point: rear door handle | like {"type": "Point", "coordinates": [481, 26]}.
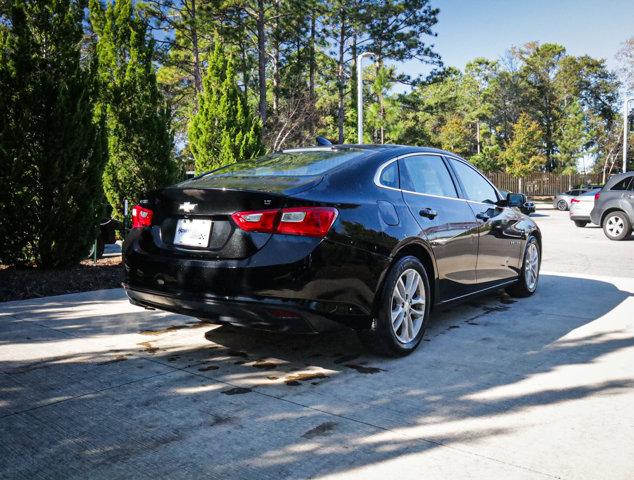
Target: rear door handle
{"type": "Point", "coordinates": [428, 212]}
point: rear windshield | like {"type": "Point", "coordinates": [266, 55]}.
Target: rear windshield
{"type": "Point", "coordinates": [306, 163]}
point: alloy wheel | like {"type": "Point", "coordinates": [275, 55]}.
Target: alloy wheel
{"type": "Point", "coordinates": [562, 205]}
{"type": "Point", "coordinates": [531, 267]}
{"type": "Point", "coordinates": [408, 306]}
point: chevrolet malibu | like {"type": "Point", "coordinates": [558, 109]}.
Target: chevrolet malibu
{"type": "Point", "coordinates": [367, 237]}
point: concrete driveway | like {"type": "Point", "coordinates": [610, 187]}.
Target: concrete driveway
{"type": "Point", "coordinates": [92, 387]}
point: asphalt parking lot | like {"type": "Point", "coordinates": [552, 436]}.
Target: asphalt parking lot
{"type": "Point", "coordinates": [92, 387]}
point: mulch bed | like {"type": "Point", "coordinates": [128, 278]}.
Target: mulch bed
{"type": "Point", "coordinates": [19, 283]}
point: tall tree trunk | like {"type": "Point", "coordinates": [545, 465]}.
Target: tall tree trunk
{"type": "Point", "coordinates": [276, 58]}
{"type": "Point", "coordinates": [353, 73]}
{"type": "Point", "coordinates": [478, 135]}
{"type": "Point", "coordinates": [198, 84]}
{"type": "Point", "coordinates": [381, 104]}
{"type": "Point", "coordinates": [261, 61]}
{"type": "Point", "coordinates": [311, 72]}
{"type": "Point", "coordinates": [244, 62]}
{"type": "Point", "coordinates": [340, 77]}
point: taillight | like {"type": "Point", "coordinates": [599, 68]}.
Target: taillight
{"type": "Point", "coordinates": [306, 221]}
{"type": "Point", "coordinates": [574, 200]}
{"type": "Point", "coordinates": [259, 221]}
{"type": "Point", "coordinates": [141, 217]}
{"type": "Point", "coordinates": [596, 196]}
{"type": "Point", "coordinates": [303, 221]}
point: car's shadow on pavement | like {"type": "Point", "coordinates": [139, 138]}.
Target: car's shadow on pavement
{"type": "Point", "coordinates": [246, 404]}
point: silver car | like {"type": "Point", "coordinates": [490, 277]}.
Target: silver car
{"type": "Point", "coordinates": [581, 206]}
{"type": "Point", "coordinates": [562, 200]}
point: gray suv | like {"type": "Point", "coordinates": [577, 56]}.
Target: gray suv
{"type": "Point", "coordinates": [614, 206]}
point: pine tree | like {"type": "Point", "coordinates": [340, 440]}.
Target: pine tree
{"type": "Point", "coordinates": [524, 154]}
{"type": "Point", "coordinates": [52, 146]}
{"type": "Point", "coordinates": [138, 120]}
{"type": "Point", "coordinates": [571, 137]}
{"type": "Point", "coordinates": [223, 131]}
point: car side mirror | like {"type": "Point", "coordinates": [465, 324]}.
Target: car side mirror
{"type": "Point", "coordinates": [514, 200]}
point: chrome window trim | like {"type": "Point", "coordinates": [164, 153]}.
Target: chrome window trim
{"type": "Point", "coordinates": [383, 166]}
{"type": "Point", "coordinates": [377, 176]}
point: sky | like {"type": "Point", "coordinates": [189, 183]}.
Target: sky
{"type": "Point", "coordinates": [487, 28]}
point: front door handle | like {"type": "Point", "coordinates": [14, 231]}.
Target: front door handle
{"type": "Point", "coordinates": [483, 216]}
{"type": "Point", "coordinates": [428, 212]}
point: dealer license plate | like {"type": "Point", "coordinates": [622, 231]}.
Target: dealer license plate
{"type": "Point", "coordinates": [192, 232]}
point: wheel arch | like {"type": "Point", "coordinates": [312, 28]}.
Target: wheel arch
{"type": "Point", "coordinates": [538, 235]}
{"type": "Point", "coordinates": [611, 210]}
{"type": "Point", "coordinates": [423, 253]}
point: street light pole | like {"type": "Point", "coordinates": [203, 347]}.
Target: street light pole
{"type": "Point", "coordinates": [360, 94]}
{"type": "Point", "coordinates": [625, 115]}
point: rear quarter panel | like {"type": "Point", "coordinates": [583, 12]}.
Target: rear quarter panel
{"type": "Point", "coordinates": [371, 219]}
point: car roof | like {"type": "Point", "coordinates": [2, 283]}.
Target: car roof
{"type": "Point", "coordinates": [391, 149]}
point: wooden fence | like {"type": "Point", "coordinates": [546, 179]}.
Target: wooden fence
{"type": "Point", "coordinates": [542, 184]}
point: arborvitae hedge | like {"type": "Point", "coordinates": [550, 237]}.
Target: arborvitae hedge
{"type": "Point", "coordinates": [138, 120]}
{"type": "Point", "coordinates": [224, 130]}
{"type": "Point", "coordinates": [52, 143]}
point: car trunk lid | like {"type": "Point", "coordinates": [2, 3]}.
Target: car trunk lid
{"type": "Point", "coordinates": [193, 219]}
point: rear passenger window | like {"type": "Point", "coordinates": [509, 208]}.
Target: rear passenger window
{"type": "Point", "coordinates": [389, 176]}
{"type": "Point", "coordinates": [477, 188]}
{"type": "Point", "coordinates": [625, 184]}
{"type": "Point", "coordinates": [426, 174]}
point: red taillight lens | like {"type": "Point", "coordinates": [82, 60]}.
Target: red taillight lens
{"type": "Point", "coordinates": [141, 217]}
{"type": "Point", "coordinates": [307, 221]}
{"type": "Point", "coordinates": [303, 221]}
{"type": "Point", "coordinates": [259, 221]}
{"type": "Point", "coordinates": [596, 196]}
{"type": "Point", "coordinates": [574, 200]}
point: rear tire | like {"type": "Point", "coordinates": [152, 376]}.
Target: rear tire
{"type": "Point", "coordinates": [617, 226]}
{"type": "Point", "coordinates": [529, 275]}
{"type": "Point", "coordinates": [402, 311]}
{"type": "Point", "coordinates": [562, 206]}
{"type": "Point", "coordinates": [580, 223]}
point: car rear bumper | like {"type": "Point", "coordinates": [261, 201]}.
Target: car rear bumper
{"type": "Point", "coordinates": [260, 313]}
{"type": "Point", "coordinates": [294, 284]}
{"type": "Point", "coordinates": [580, 217]}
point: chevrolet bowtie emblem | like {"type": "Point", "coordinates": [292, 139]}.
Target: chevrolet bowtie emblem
{"type": "Point", "coordinates": [187, 207]}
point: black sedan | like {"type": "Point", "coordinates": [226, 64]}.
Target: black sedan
{"type": "Point", "coordinates": [369, 237]}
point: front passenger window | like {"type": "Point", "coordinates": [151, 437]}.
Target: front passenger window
{"type": "Point", "coordinates": [477, 188]}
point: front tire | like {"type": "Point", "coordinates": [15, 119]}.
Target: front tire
{"type": "Point", "coordinates": [402, 312]}
{"type": "Point", "coordinates": [580, 223]}
{"type": "Point", "coordinates": [617, 226]}
{"type": "Point", "coordinates": [529, 275]}
{"type": "Point", "coordinates": [562, 206]}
